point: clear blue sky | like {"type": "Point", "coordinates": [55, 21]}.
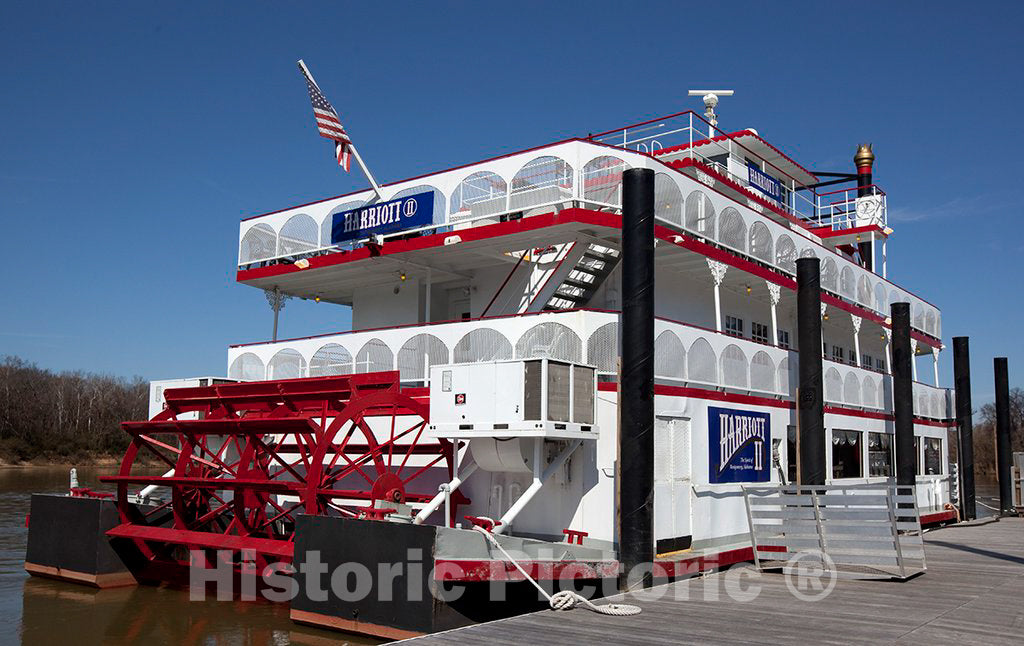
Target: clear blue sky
{"type": "Point", "coordinates": [137, 135]}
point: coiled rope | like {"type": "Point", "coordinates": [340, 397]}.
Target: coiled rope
{"type": "Point", "coordinates": [566, 599]}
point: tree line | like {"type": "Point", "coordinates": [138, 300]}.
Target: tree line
{"type": "Point", "coordinates": [66, 415]}
{"type": "Point", "coordinates": [985, 434]}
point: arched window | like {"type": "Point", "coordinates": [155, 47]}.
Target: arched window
{"type": "Point", "coordinates": [880, 303]}
{"type": "Point", "coordinates": [602, 181]}
{"type": "Point", "coordinates": [761, 246]}
{"type": "Point", "coordinates": [869, 393]}
{"type": "Point", "coordinates": [482, 344]}
{"type": "Point", "coordinates": [374, 356]}
{"type": "Point", "coordinates": [259, 243]}
{"type": "Point", "coordinates": [286, 364]}
{"type": "Point", "coordinates": [762, 372]}
{"type": "Point", "coordinates": [247, 367]}
{"type": "Point", "coordinates": [846, 283]}
{"type": "Point", "coordinates": [418, 354]}
{"type": "Point", "coordinates": [830, 275]}
{"type": "Point", "coordinates": [784, 380]}
{"type": "Point", "coordinates": [552, 340]}
{"type": "Point", "coordinates": [701, 365]}
{"type": "Point", "coordinates": [669, 356]}
{"type": "Point", "coordinates": [298, 235]}
{"type": "Point", "coordinates": [482, 193]}
{"type": "Point", "coordinates": [864, 292]}
{"type": "Point", "coordinates": [732, 230]}
{"type": "Point", "coordinates": [851, 389]}
{"type": "Point", "coordinates": [545, 180]}
{"type": "Point", "coordinates": [734, 366]}
{"type": "Point", "coordinates": [833, 386]}
{"type": "Point", "coordinates": [331, 359]}
{"type": "Point", "coordinates": [668, 199]}
{"type": "Point", "coordinates": [785, 254]}
{"type": "Point", "coordinates": [603, 348]}
{"type": "Point", "coordinates": [700, 214]}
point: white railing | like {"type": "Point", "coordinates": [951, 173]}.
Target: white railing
{"type": "Point", "coordinates": [846, 209]}
{"type": "Point", "coordinates": [685, 355]}
{"type": "Point", "coordinates": [543, 180]}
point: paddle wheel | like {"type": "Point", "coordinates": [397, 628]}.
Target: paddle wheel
{"type": "Point", "coordinates": [241, 461]}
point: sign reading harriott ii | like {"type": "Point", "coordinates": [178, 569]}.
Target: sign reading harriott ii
{"type": "Point", "coordinates": [384, 217]}
{"type": "Point", "coordinates": [738, 443]}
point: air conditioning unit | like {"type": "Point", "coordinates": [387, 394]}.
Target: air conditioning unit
{"type": "Point", "coordinates": [528, 398]}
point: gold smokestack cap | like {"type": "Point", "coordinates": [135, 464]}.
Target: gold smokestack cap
{"type": "Point", "coordinates": [864, 156]}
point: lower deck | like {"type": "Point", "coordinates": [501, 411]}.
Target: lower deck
{"type": "Point", "coordinates": [970, 594]}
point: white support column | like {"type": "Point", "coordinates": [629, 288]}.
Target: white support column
{"type": "Point", "coordinates": [935, 365]}
{"type": "Point", "coordinates": [856, 338]}
{"type": "Point", "coordinates": [913, 357]}
{"type": "Point", "coordinates": [775, 294]}
{"type": "Point", "coordinates": [718, 270]}
{"type": "Point", "coordinates": [823, 308]}
{"type": "Point", "coordinates": [426, 307]}
{"type": "Point", "coordinates": [885, 258]}
{"type": "Point", "coordinates": [888, 350]}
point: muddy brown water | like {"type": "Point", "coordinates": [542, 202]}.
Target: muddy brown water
{"type": "Point", "coordinates": [39, 611]}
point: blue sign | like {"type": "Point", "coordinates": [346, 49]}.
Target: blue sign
{"type": "Point", "coordinates": [383, 217]}
{"type": "Point", "coordinates": [764, 183]}
{"type": "Point", "coordinates": [739, 443]}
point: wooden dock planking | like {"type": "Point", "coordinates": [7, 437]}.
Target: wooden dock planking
{"type": "Point", "coordinates": [973, 592]}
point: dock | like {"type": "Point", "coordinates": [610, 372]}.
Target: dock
{"type": "Point", "coordinates": [972, 592]}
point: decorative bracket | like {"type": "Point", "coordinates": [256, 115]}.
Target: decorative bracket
{"type": "Point", "coordinates": [718, 270]}
{"type": "Point", "coordinates": [774, 292]}
{"type": "Point", "coordinates": [856, 323]}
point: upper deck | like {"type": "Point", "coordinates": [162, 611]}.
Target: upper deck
{"type": "Point", "coordinates": [482, 217]}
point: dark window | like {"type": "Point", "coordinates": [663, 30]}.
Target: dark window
{"type": "Point", "coordinates": [734, 326]}
{"type": "Point", "coordinates": [784, 339]}
{"type": "Point", "coordinates": [759, 332]}
{"type": "Point", "coordinates": [933, 456]}
{"type": "Point", "coordinates": [880, 365]}
{"type": "Point", "coordinates": [853, 358]}
{"type": "Point", "coordinates": [846, 452]}
{"type": "Point", "coordinates": [838, 354]}
{"type": "Point", "coordinates": [879, 454]}
{"type": "Point", "coordinates": [866, 361]}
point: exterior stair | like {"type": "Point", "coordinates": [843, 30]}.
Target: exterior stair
{"type": "Point", "coordinates": [582, 281]}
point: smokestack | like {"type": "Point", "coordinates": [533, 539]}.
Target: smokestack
{"type": "Point", "coordinates": [811, 403]}
{"type": "Point", "coordinates": [636, 387]}
{"type": "Point", "coordinates": [864, 159]}
{"type": "Point", "coordinates": [1003, 435]}
{"type": "Point", "coordinates": [964, 424]}
{"type": "Point", "coordinates": [903, 395]}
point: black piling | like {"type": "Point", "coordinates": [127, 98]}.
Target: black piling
{"type": "Point", "coordinates": [964, 424]}
{"type": "Point", "coordinates": [636, 388]}
{"type": "Point", "coordinates": [1003, 456]}
{"type": "Point", "coordinates": [811, 405]}
{"type": "Point", "coordinates": [903, 395]}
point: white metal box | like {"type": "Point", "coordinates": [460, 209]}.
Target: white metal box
{"type": "Point", "coordinates": [527, 398]}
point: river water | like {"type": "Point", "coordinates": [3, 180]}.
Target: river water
{"type": "Point", "coordinates": [39, 611]}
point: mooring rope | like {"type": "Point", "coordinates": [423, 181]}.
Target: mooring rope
{"type": "Point", "coordinates": [566, 599]}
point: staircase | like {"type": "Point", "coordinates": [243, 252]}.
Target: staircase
{"type": "Point", "coordinates": [584, 278]}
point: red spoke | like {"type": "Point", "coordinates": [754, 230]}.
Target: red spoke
{"type": "Point", "coordinates": [391, 442]}
{"type": "Point", "coordinates": [422, 425]}
{"type": "Point", "coordinates": [423, 468]}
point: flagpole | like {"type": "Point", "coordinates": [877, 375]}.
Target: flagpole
{"type": "Point", "coordinates": [351, 146]}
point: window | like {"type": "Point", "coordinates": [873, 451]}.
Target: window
{"type": "Point", "coordinates": [933, 456]}
{"type": "Point", "coordinates": [879, 454]}
{"type": "Point", "coordinates": [791, 454]}
{"type": "Point", "coordinates": [917, 455]}
{"type": "Point", "coordinates": [759, 332]}
{"type": "Point", "coordinates": [784, 339]}
{"type": "Point", "coordinates": [846, 451]}
{"type": "Point", "coordinates": [734, 326]}
{"type": "Point", "coordinates": [838, 354]}
{"type": "Point", "coordinates": [866, 361]}
{"type": "Point", "coordinates": [880, 365]}
{"type": "Point", "coordinates": [853, 358]}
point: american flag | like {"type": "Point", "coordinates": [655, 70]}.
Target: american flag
{"type": "Point", "coordinates": [328, 123]}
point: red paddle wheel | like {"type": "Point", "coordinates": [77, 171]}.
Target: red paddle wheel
{"type": "Point", "coordinates": [240, 461]}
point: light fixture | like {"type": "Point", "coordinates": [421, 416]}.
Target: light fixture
{"type": "Point", "coordinates": [748, 289]}
{"type": "Point", "coordinates": [317, 298]}
{"type": "Point", "coordinates": [858, 238]}
{"type": "Point", "coordinates": [825, 317]}
{"type": "Point", "coordinates": [401, 276]}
